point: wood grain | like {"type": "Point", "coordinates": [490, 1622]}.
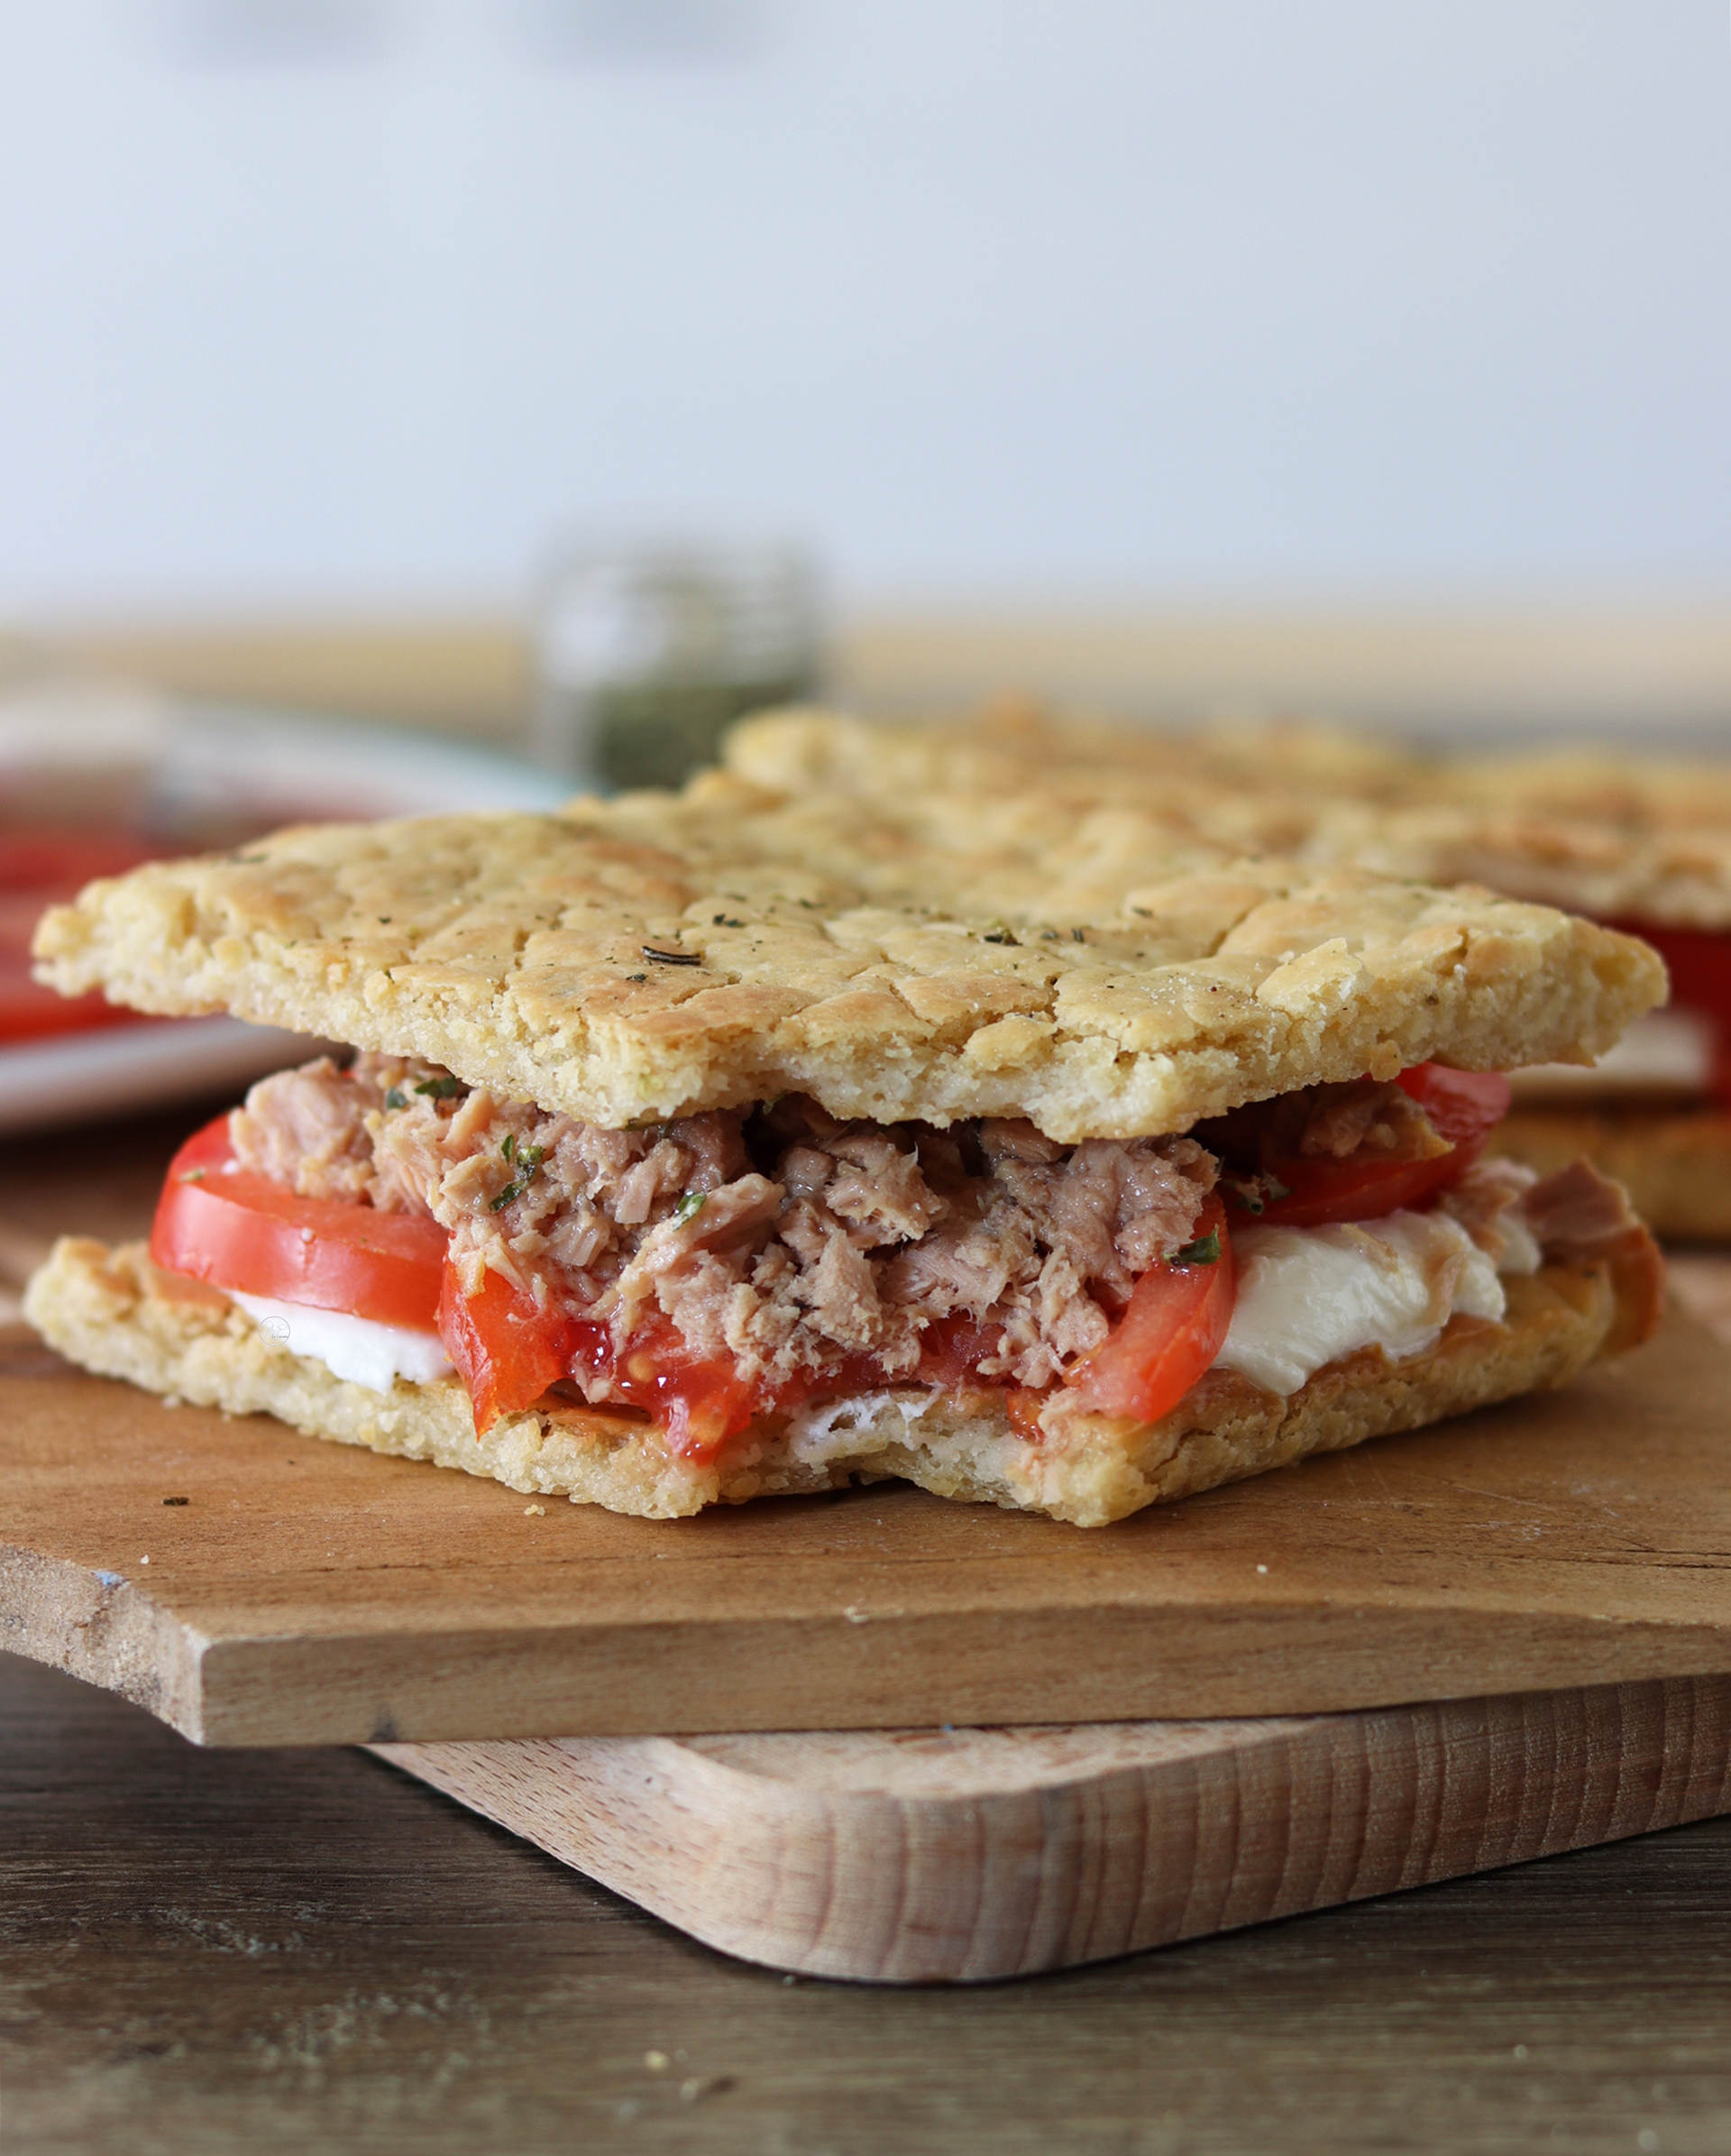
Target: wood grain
{"type": "Point", "coordinates": [209, 1950]}
{"type": "Point", "coordinates": [306, 1593]}
{"type": "Point", "coordinates": [968, 1855]}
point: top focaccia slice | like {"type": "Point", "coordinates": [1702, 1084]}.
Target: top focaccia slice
{"type": "Point", "coordinates": [1104, 972]}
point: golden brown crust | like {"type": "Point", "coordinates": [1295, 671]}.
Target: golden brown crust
{"type": "Point", "coordinates": [1108, 974]}
{"type": "Point", "coordinates": [106, 1309]}
{"type": "Point", "coordinates": [1675, 1163]}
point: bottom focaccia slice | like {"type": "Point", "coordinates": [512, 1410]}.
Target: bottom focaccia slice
{"type": "Point", "coordinates": [111, 1311]}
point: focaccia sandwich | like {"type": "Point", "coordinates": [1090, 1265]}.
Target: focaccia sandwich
{"type": "Point", "coordinates": [734, 1143]}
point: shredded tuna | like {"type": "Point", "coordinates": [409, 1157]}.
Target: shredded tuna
{"type": "Point", "coordinates": [878, 1190]}
{"type": "Point", "coordinates": [1333, 1122]}
{"type": "Point", "coordinates": [307, 1129]}
{"type": "Point", "coordinates": [1487, 1202]}
{"type": "Point", "coordinates": [784, 1238]}
{"type": "Point", "coordinates": [1581, 1218]}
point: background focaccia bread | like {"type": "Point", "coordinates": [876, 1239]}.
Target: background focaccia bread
{"type": "Point", "coordinates": [1621, 836]}
{"type": "Point", "coordinates": [1105, 972]}
{"type": "Point", "coordinates": [1675, 1163]}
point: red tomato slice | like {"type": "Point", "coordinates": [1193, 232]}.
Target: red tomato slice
{"type": "Point", "coordinates": [1321, 1192]}
{"type": "Point", "coordinates": [509, 1352]}
{"type": "Point", "coordinates": [1464, 1107]}
{"type": "Point", "coordinates": [221, 1222]}
{"type": "Point", "coordinates": [700, 1405]}
{"type": "Point", "coordinates": [506, 1350]}
{"type": "Point", "coordinates": [949, 1350]}
{"type": "Point", "coordinates": [1175, 1327]}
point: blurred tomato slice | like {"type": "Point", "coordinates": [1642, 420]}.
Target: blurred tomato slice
{"type": "Point", "coordinates": [39, 869]}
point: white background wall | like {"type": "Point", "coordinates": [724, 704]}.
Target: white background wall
{"type": "Point", "coordinates": [305, 300]}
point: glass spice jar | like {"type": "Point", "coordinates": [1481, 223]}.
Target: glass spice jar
{"type": "Point", "coordinates": [647, 651]}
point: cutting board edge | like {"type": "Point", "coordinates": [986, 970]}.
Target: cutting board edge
{"type": "Point", "coordinates": [359, 1689]}
{"type": "Point", "coordinates": [106, 1630]}
{"type": "Point", "coordinates": [870, 1886]}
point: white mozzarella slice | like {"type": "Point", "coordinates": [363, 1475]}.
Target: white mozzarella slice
{"type": "Point", "coordinates": [1308, 1296]}
{"type": "Point", "coordinates": [816, 1432]}
{"type": "Point", "coordinates": [1668, 1054]}
{"type": "Point", "coordinates": [358, 1349]}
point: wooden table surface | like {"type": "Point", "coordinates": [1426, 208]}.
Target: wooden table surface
{"type": "Point", "coordinates": [203, 1950]}
{"type": "Point", "coordinates": [304, 1949]}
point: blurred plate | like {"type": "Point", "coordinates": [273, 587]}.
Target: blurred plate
{"type": "Point", "coordinates": [124, 1070]}
{"type": "Point", "coordinates": [86, 766]}
{"type": "Point", "coordinates": [202, 775]}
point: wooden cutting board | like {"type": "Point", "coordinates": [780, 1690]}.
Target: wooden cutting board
{"type": "Point", "coordinates": [306, 1593]}
{"type": "Point", "coordinates": [923, 1856]}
